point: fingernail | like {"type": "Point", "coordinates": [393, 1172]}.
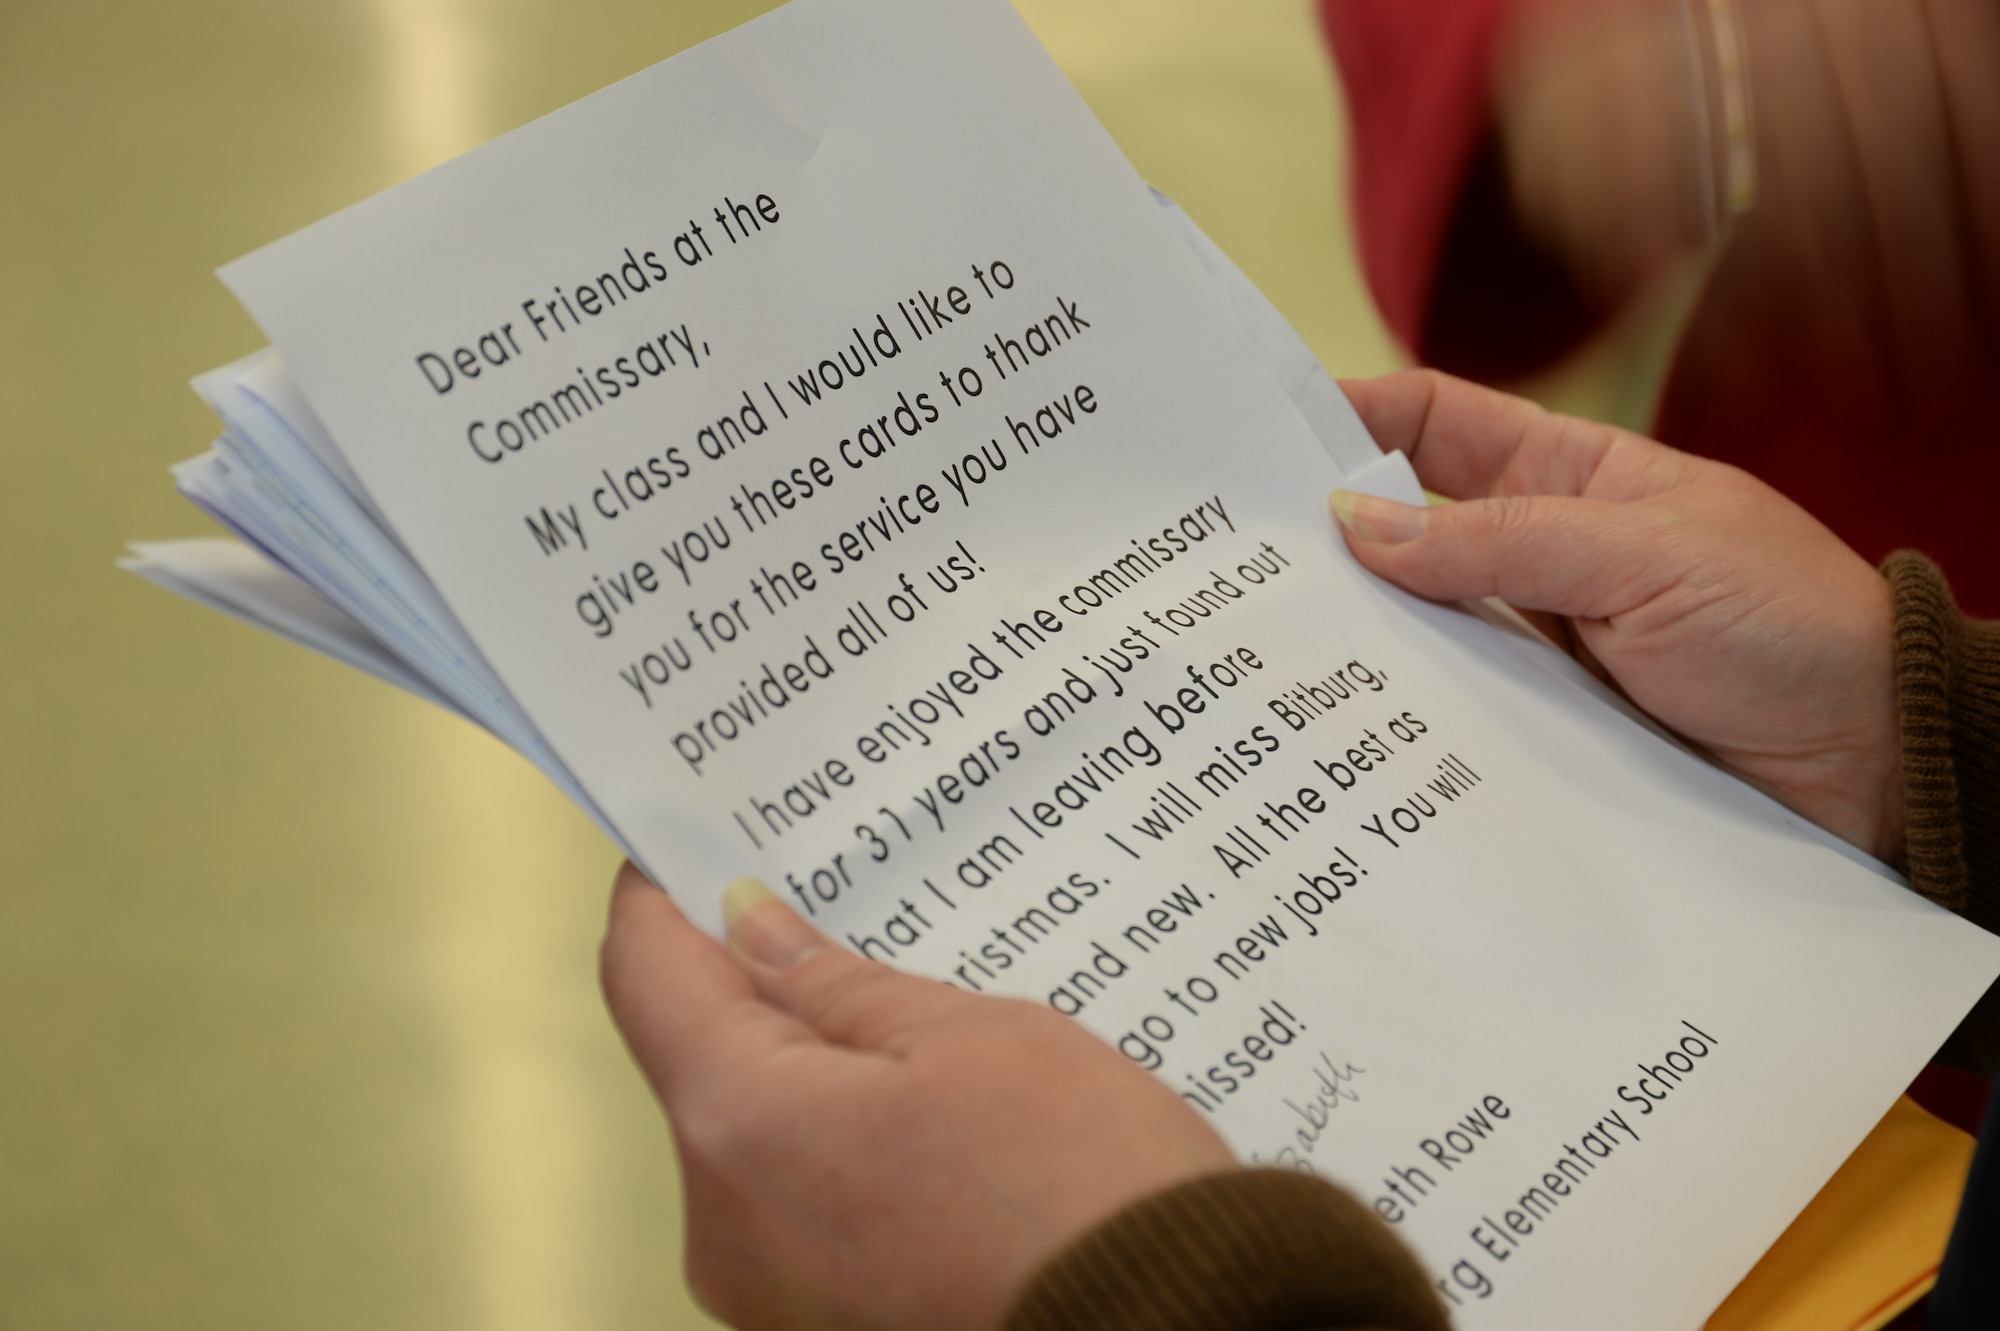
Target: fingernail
{"type": "Point", "coordinates": [765, 929]}
{"type": "Point", "coordinates": [1375, 519]}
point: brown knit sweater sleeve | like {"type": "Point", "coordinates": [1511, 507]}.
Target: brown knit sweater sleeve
{"type": "Point", "coordinates": [1948, 685]}
{"type": "Point", "coordinates": [1255, 1250]}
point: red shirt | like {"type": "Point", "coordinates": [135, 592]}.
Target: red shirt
{"type": "Point", "coordinates": [1810, 384]}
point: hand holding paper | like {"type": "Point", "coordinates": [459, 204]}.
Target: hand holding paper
{"type": "Point", "coordinates": [1015, 1169]}
{"type": "Point", "coordinates": [1720, 607]}
{"type": "Point", "coordinates": [865, 1148]}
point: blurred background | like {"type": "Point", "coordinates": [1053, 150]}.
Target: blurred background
{"type": "Point", "coordinates": [299, 1023]}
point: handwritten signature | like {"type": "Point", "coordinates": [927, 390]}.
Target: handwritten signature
{"type": "Point", "coordinates": [1333, 1086]}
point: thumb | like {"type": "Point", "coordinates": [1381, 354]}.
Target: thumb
{"type": "Point", "coordinates": [844, 998]}
{"type": "Point", "coordinates": [1569, 556]}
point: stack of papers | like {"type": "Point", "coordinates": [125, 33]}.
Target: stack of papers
{"type": "Point", "coordinates": [317, 564]}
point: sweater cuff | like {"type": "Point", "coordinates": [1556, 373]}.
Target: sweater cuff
{"type": "Point", "coordinates": [1948, 689]}
{"type": "Point", "coordinates": [1948, 685]}
{"type": "Point", "coordinates": [1249, 1250]}
{"type": "Point", "coordinates": [1927, 622]}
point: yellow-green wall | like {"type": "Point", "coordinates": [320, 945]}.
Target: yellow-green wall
{"type": "Point", "coordinates": [298, 1017]}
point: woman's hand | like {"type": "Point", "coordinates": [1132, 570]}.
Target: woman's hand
{"type": "Point", "coordinates": [1718, 605]}
{"type": "Point", "coordinates": [862, 1148]}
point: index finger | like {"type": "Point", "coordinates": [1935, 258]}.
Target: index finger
{"type": "Point", "coordinates": [681, 999]}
